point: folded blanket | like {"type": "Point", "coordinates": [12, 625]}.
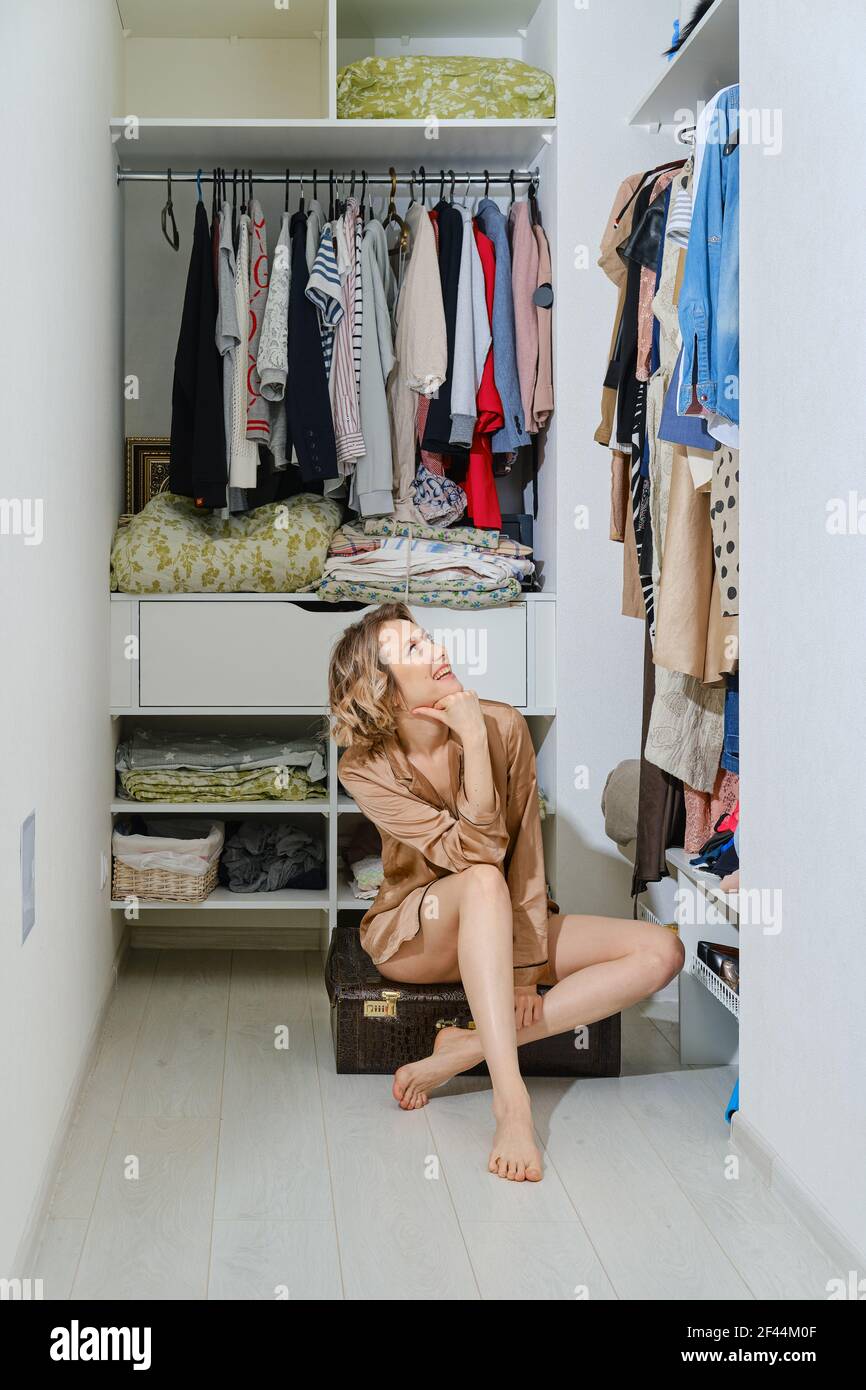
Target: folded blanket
{"type": "Point", "coordinates": [219, 752]}
{"type": "Point", "coordinates": [260, 784]}
{"type": "Point", "coordinates": [154, 765]}
{"type": "Point", "coordinates": [473, 594]}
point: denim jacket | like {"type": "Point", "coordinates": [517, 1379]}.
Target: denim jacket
{"type": "Point", "coordinates": [709, 296]}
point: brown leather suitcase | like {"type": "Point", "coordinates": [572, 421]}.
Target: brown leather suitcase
{"type": "Point", "coordinates": [378, 1025]}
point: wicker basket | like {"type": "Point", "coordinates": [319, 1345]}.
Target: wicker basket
{"type": "Point", "coordinates": [162, 885]}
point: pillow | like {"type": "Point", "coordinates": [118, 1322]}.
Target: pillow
{"type": "Point", "coordinates": [412, 87]}
{"type": "Point", "coordinates": [171, 547]}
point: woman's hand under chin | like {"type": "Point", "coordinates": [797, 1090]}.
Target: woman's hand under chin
{"type": "Point", "coordinates": [460, 712]}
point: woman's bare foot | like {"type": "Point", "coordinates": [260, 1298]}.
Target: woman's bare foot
{"type": "Point", "coordinates": [454, 1050]}
{"type": "Point", "coordinates": [514, 1154]}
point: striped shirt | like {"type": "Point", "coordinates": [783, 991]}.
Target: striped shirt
{"type": "Point", "coordinates": [346, 376]}
{"type": "Point", "coordinates": [325, 290]}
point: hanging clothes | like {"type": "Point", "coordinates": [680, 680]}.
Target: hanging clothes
{"type": "Point", "coordinates": [371, 489]}
{"type": "Point", "coordinates": [479, 484]}
{"type": "Point", "coordinates": [325, 291]}
{"type": "Point", "coordinates": [542, 400]}
{"type": "Point", "coordinates": [244, 456]}
{"type": "Point", "coordinates": [198, 455]}
{"type": "Point", "coordinates": [258, 410]}
{"type": "Point", "coordinates": [437, 434]}
{"type": "Point", "coordinates": [309, 423]}
{"type": "Point", "coordinates": [273, 353]}
{"type": "Point", "coordinates": [524, 282]}
{"type": "Point", "coordinates": [227, 330]}
{"type": "Point", "coordinates": [346, 370]}
{"type": "Point", "coordinates": [472, 338]}
{"type": "Point", "coordinates": [513, 434]}
{"type": "Point", "coordinates": [421, 351]}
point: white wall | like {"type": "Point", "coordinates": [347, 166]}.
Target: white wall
{"type": "Point", "coordinates": [607, 53]}
{"type": "Point", "coordinates": [61, 406]}
{"type": "Point", "coordinates": [803, 737]}
{"type": "Point", "coordinates": [254, 78]}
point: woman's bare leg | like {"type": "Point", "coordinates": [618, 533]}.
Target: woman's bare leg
{"type": "Point", "coordinates": [601, 965]}
{"type": "Point", "coordinates": [466, 927]}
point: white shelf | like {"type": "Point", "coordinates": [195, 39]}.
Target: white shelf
{"type": "Point", "coordinates": [222, 899]}
{"type": "Point", "coordinates": [716, 986]}
{"type": "Point", "coordinates": [708, 61]}
{"type": "Point", "coordinates": [729, 902]}
{"type": "Point", "coordinates": [236, 809]}
{"type": "Point", "coordinates": [346, 900]}
{"type": "Point", "coordinates": [188, 143]}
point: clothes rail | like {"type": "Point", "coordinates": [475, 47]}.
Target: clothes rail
{"type": "Point", "coordinates": [521, 176]}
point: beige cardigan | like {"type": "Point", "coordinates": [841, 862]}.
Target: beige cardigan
{"type": "Point", "coordinates": [421, 353]}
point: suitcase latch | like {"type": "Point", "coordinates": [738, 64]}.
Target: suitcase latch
{"type": "Point", "coordinates": [386, 1007]}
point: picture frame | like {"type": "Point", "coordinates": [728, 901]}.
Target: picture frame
{"type": "Point", "coordinates": [146, 469]}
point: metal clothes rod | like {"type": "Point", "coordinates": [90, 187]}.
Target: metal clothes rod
{"type": "Point", "coordinates": [432, 176]}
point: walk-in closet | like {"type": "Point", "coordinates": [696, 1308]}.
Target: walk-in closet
{"type": "Point", "coordinates": [483, 309]}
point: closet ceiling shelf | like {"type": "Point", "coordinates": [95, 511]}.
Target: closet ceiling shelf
{"type": "Point", "coordinates": [707, 61]}
{"type": "Point", "coordinates": [145, 142]}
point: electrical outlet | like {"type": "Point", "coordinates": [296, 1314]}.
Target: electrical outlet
{"type": "Point", "coordinates": [28, 876]}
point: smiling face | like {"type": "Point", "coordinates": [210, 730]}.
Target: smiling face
{"type": "Point", "coordinates": [421, 667]}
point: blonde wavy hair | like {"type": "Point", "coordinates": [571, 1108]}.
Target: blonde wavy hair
{"type": "Point", "coordinates": [362, 691]}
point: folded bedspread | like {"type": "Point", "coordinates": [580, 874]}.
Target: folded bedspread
{"type": "Point", "coordinates": [170, 547]}
{"type": "Point", "coordinates": [409, 87]}
{"type": "Point", "coordinates": [155, 766]}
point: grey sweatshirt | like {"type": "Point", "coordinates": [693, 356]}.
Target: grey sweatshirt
{"type": "Point", "coordinates": [371, 491]}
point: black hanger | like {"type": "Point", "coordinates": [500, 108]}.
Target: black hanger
{"type": "Point", "coordinates": [235, 209]}
{"type": "Point", "coordinates": [534, 210]}
{"type": "Point", "coordinates": [251, 184]}
{"type": "Point", "coordinates": [168, 212]}
{"type": "Point", "coordinates": [411, 188]}
{"type": "Point", "coordinates": [452, 176]}
{"type": "Point", "coordinates": [331, 196]}
{"type": "Point", "coordinates": [441, 184]}
{"type": "Point", "coordinates": [243, 191]}
{"type": "Point", "coordinates": [315, 184]}
{"type": "Point", "coordinates": [423, 172]}
{"type": "Point", "coordinates": [213, 197]}
{"type": "Point", "coordinates": [659, 169]}
{"type": "Point", "coordinates": [392, 214]}
{"type": "Point", "coordinates": [487, 183]}
{"type": "Point", "coordinates": [511, 181]}
{"type": "Point", "coordinates": [363, 187]}
{"type": "Point", "coordinates": [302, 202]}
{"type": "Point", "coordinates": [288, 181]}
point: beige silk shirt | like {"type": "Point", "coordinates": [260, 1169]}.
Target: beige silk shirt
{"type": "Point", "coordinates": [425, 838]}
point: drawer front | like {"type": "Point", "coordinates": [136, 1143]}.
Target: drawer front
{"type": "Point", "coordinates": [224, 655]}
{"type": "Point", "coordinates": [487, 648]}
{"type": "Point", "coordinates": [271, 654]}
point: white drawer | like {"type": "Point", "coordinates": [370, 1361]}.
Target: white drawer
{"type": "Point", "coordinates": [247, 654]}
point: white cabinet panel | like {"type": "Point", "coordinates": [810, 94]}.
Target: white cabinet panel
{"type": "Point", "coordinates": [247, 655]}
{"type": "Point", "coordinates": [225, 655]}
{"type": "Point", "coordinates": [487, 647]}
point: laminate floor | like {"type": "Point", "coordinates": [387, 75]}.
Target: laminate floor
{"type": "Point", "coordinates": [217, 1154]}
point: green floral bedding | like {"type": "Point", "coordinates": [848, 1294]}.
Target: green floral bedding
{"type": "Point", "coordinates": [170, 547]}
{"type": "Point", "coordinates": [416, 87]}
